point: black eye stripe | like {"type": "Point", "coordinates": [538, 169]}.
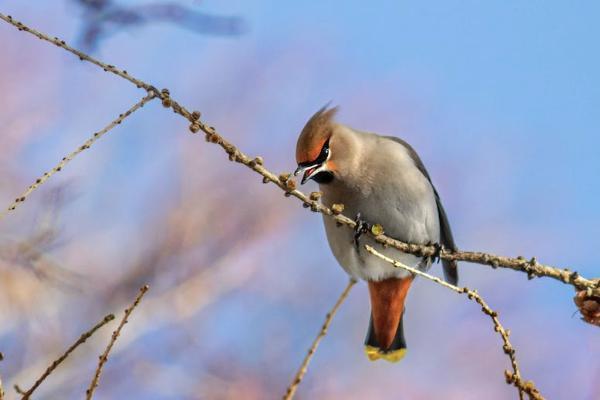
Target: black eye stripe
{"type": "Point", "coordinates": [322, 157]}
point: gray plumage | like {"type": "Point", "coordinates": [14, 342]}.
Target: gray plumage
{"type": "Point", "coordinates": [446, 238]}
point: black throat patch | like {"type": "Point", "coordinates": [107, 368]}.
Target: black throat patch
{"type": "Point", "coordinates": [323, 177]}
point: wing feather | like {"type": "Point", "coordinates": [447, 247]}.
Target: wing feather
{"type": "Point", "coordinates": [446, 238]}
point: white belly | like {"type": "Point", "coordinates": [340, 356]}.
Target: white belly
{"type": "Point", "coordinates": [406, 213]}
{"type": "Point", "coordinates": [359, 263]}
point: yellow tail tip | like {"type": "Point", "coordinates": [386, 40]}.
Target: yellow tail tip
{"type": "Point", "coordinates": [374, 354]}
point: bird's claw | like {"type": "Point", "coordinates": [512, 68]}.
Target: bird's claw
{"type": "Point", "coordinates": [361, 227]}
{"type": "Point", "coordinates": [435, 257]}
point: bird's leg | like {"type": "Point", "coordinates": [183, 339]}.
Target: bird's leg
{"type": "Point", "coordinates": [361, 227]}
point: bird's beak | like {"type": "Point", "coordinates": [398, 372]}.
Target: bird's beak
{"type": "Point", "coordinates": [309, 170]}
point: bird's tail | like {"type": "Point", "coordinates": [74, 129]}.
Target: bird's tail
{"type": "Point", "coordinates": [394, 353]}
{"type": "Point", "coordinates": [385, 338]}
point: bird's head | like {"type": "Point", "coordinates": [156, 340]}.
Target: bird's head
{"type": "Point", "coordinates": [314, 148]}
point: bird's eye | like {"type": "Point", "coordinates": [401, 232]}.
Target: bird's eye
{"type": "Point", "coordinates": [324, 153]}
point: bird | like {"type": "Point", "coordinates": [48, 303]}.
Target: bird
{"type": "Point", "coordinates": [381, 180]}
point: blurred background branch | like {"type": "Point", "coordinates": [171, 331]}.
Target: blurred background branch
{"type": "Point", "coordinates": [102, 18]}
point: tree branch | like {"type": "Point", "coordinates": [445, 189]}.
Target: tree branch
{"type": "Point", "coordinates": [531, 267]}
{"type": "Point", "coordinates": [82, 56]}
{"type": "Point", "coordinates": [291, 390]}
{"type": "Point", "coordinates": [113, 339]}
{"type": "Point", "coordinates": [85, 336]}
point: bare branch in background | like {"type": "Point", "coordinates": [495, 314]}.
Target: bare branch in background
{"type": "Point", "coordinates": [291, 390]}
{"type": "Point", "coordinates": [30, 252]}
{"type": "Point", "coordinates": [85, 336]}
{"type": "Point", "coordinates": [105, 17]}
{"type": "Point", "coordinates": [65, 160]}
{"type": "Point", "coordinates": [113, 339]}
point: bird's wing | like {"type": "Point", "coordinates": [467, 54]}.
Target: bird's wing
{"type": "Point", "coordinates": [446, 238]}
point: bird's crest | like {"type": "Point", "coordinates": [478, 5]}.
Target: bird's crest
{"type": "Point", "coordinates": [314, 134]}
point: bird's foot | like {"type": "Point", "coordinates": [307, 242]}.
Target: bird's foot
{"type": "Point", "coordinates": [435, 257]}
{"type": "Point", "coordinates": [361, 227]}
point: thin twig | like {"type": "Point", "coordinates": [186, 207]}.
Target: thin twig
{"type": "Point", "coordinates": [113, 339]}
{"type": "Point", "coordinates": [529, 266]}
{"type": "Point", "coordinates": [85, 336]}
{"type": "Point", "coordinates": [65, 160]}
{"type": "Point", "coordinates": [515, 376]}
{"type": "Point", "coordinates": [291, 390]}
{"type": "Point", "coordinates": [82, 56]}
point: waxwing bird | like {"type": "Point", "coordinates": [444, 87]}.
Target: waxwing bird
{"type": "Point", "coordinates": [382, 180]}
